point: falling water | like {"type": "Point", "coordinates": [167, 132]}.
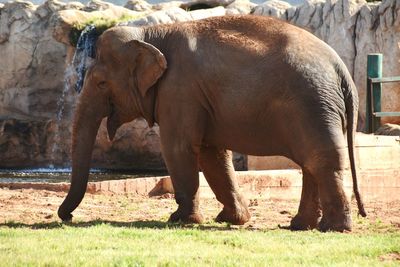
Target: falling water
{"type": "Point", "coordinates": [81, 61]}
{"type": "Point", "coordinates": [55, 150]}
{"type": "Point", "coordinates": [84, 54]}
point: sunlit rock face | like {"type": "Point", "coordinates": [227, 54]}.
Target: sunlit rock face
{"type": "Point", "coordinates": [32, 67]}
{"type": "Point", "coordinates": [32, 83]}
{"type": "Point", "coordinates": [35, 51]}
{"type": "Point", "coordinates": [353, 29]}
{"type": "Point", "coordinates": [32, 61]}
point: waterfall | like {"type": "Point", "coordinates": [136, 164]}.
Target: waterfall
{"type": "Point", "coordinates": [55, 150]}
{"type": "Point", "coordinates": [84, 54]}
{"type": "Point", "coordinates": [73, 80]}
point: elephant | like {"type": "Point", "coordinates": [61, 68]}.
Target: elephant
{"type": "Point", "coordinates": [388, 129]}
{"type": "Point", "coordinates": [251, 84]}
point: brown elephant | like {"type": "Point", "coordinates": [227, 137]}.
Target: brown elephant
{"type": "Point", "coordinates": [251, 84]}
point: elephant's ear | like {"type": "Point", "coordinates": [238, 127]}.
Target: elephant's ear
{"type": "Point", "coordinates": [150, 65]}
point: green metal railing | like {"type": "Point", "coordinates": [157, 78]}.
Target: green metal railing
{"type": "Point", "coordinates": [374, 93]}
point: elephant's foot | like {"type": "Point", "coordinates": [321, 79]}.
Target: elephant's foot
{"type": "Point", "coordinates": [303, 222]}
{"type": "Point", "coordinates": [64, 215]}
{"type": "Point", "coordinates": [185, 217]}
{"type": "Point", "coordinates": [238, 217]}
{"type": "Point", "coordinates": [238, 214]}
{"type": "Point", "coordinates": [337, 223]}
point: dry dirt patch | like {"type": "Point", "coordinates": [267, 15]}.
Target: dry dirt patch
{"type": "Point", "coordinates": [395, 256]}
{"type": "Point", "coordinates": [30, 206]}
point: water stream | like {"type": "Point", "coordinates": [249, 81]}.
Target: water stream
{"type": "Point", "coordinates": [73, 80]}
{"type": "Point", "coordinates": [84, 54]}
{"type": "Point", "coordinates": [56, 150]}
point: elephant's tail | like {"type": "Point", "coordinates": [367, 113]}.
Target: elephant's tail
{"type": "Point", "coordinates": [351, 104]}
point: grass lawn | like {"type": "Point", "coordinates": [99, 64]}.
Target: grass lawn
{"type": "Point", "coordinates": [154, 243]}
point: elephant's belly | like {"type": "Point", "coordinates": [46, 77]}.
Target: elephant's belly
{"type": "Point", "coordinates": [250, 141]}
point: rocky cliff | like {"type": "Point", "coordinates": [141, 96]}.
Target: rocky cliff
{"type": "Point", "coordinates": [353, 29]}
{"type": "Point", "coordinates": [36, 104]}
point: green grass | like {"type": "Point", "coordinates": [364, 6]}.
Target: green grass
{"type": "Point", "coordinates": [100, 243]}
{"type": "Point", "coordinates": [100, 22]}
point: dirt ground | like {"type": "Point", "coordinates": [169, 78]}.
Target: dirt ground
{"type": "Point", "coordinates": [32, 207]}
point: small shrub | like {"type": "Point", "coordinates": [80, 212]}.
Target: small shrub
{"type": "Point", "coordinates": [101, 24]}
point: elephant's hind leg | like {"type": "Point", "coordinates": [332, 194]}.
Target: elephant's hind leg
{"type": "Point", "coordinates": [309, 213]}
{"type": "Point", "coordinates": [218, 169]}
{"type": "Point", "coordinates": [328, 169]}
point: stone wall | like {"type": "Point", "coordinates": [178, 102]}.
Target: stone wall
{"type": "Point", "coordinates": [33, 92]}
{"type": "Point", "coordinates": [353, 29]}
{"type": "Point", "coordinates": [32, 67]}
{"type": "Point", "coordinates": [35, 53]}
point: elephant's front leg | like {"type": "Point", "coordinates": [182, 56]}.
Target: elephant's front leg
{"type": "Point", "coordinates": [218, 169]}
{"type": "Point", "coordinates": [181, 161]}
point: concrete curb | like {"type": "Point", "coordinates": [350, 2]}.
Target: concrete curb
{"type": "Point", "coordinates": [383, 184]}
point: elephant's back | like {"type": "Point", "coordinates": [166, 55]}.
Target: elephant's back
{"type": "Point", "coordinates": [260, 35]}
{"type": "Point", "coordinates": [263, 70]}
{"type": "Point", "coordinates": [250, 34]}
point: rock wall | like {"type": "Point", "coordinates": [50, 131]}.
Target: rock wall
{"type": "Point", "coordinates": [33, 94]}
{"type": "Point", "coordinates": [353, 29]}
{"type": "Point", "coordinates": [36, 107]}
{"type": "Point", "coordinates": [32, 67]}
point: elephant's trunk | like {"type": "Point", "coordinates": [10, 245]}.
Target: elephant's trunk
{"type": "Point", "coordinates": [85, 127]}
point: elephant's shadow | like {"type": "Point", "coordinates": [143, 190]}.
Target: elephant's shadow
{"type": "Point", "coordinates": [135, 224]}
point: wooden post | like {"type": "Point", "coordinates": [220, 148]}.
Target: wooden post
{"type": "Point", "coordinates": [374, 70]}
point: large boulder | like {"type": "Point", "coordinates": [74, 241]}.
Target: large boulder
{"type": "Point", "coordinates": [138, 5]}
{"type": "Point", "coordinates": [64, 22]}
{"type": "Point", "coordinates": [240, 7]}
{"type": "Point", "coordinates": [174, 14]}
{"type": "Point", "coordinates": [273, 8]}
{"type": "Point", "coordinates": [32, 62]}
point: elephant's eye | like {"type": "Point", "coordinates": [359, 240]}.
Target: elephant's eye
{"type": "Point", "coordinates": [102, 85]}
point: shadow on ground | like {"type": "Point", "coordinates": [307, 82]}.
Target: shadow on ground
{"type": "Point", "coordinates": [136, 224]}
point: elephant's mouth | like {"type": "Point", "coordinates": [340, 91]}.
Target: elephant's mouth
{"type": "Point", "coordinates": [115, 119]}
{"type": "Point", "coordinates": [113, 122]}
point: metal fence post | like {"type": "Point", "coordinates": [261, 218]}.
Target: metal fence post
{"type": "Point", "coordinates": [374, 70]}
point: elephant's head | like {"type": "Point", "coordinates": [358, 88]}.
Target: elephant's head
{"type": "Point", "coordinates": [118, 86]}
